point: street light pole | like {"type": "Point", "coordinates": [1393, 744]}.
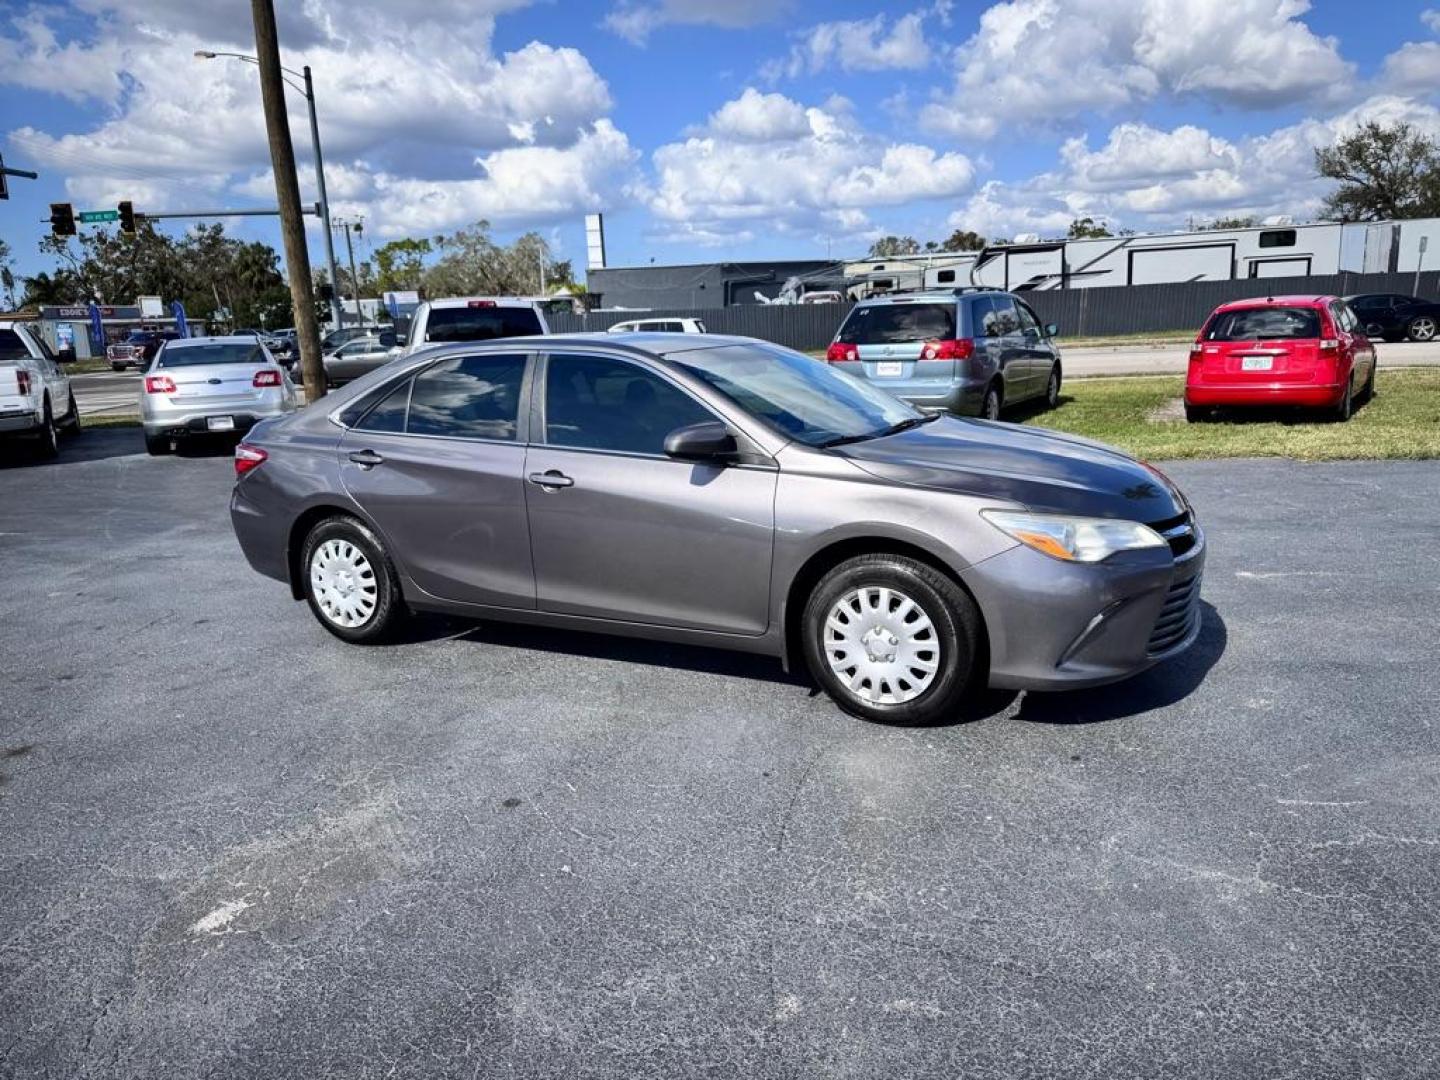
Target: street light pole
{"type": "Point", "coordinates": [324, 199]}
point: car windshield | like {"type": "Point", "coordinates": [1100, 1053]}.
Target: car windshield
{"type": "Point", "coordinates": [219, 352]}
{"type": "Point", "coordinates": [879, 324]}
{"type": "Point", "coordinates": [803, 399]}
{"type": "Point", "coordinates": [1260, 324]}
{"type": "Point", "coordinates": [480, 323]}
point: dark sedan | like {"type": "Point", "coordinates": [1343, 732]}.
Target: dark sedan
{"type": "Point", "coordinates": [1394, 317]}
{"type": "Point", "coordinates": [726, 492]}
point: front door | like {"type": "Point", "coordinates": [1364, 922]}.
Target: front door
{"type": "Point", "coordinates": [439, 465]}
{"type": "Point", "coordinates": [1039, 352]}
{"type": "Point", "coordinates": [621, 531]}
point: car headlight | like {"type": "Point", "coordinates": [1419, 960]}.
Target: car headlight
{"type": "Point", "coordinates": [1074, 539]}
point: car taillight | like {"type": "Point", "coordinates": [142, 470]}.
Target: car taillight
{"type": "Point", "coordinates": [959, 349]}
{"type": "Point", "coordinates": [22, 379]}
{"type": "Point", "coordinates": [1329, 345]}
{"type": "Point", "coordinates": [1196, 351]}
{"type": "Point", "coordinates": [248, 458]}
{"type": "Point", "coordinates": [268, 377]}
{"type": "Point", "coordinates": [839, 352]}
{"type": "Point", "coordinates": [159, 384]}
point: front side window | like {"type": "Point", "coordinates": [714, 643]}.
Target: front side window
{"type": "Point", "coordinates": [795, 396]}
{"type": "Point", "coordinates": [596, 403]}
{"type": "Point", "coordinates": [468, 397]}
{"type": "Point", "coordinates": [1028, 322]}
{"type": "Point", "coordinates": [881, 324]}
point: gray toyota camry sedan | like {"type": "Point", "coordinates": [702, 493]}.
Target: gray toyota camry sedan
{"type": "Point", "coordinates": [727, 492]}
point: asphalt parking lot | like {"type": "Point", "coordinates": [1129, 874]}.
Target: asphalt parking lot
{"type": "Point", "coordinates": [231, 846]}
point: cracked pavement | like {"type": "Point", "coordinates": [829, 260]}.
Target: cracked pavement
{"type": "Point", "coordinates": [231, 846]}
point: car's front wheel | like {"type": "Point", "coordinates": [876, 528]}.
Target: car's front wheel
{"type": "Point", "coordinates": [1341, 412]}
{"type": "Point", "coordinates": [350, 582]}
{"type": "Point", "coordinates": [1052, 387]}
{"type": "Point", "coordinates": [1422, 328]}
{"type": "Point", "coordinates": [892, 639]}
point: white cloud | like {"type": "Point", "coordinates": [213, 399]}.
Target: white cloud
{"type": "Point", "coordinates": [819, 177]}
{"type": "Point", "coordinates": [635, 20]}
{"type": "Point", "coordinates": [1146, 178]}
{"type": "Point", "coordinates": [873, 44]}
{"type": "Point", "coordinates": [1414, 67]}
{"type": "Point", "coordinates": [1431, 18]}
{"type": "Point", "coordinates": [456, 130]}
{"type": "Point", "coordinates": [1039, 62]}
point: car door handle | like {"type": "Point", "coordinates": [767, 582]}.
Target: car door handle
{"type": "Point", "coordinates": [366, 459]}
{"type": "Point", "coordinates": [551, 479]}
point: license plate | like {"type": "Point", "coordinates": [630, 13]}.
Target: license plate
{"type": "Point", "coordinates": [1256, 363]}
{"type": "Point", "coordinates": [890, 367]}
{"type": "Point", "coordinates": [220, 423]}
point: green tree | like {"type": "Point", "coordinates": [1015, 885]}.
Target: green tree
{"type": "Point", "coordinates": [1087, 228]}
{"type": "Point", "coordinates": [401, 265]}
{"type": "Point", "coordinates": [890, 246]}
{"type": "Point", "coordinates": [7, 276]}
{"type": "Point", "coordinates": [1383, 172]}
{"type": "Point", "coordinates": [471, 263]}
{"type": "Point", "coordinates": [963, 240]}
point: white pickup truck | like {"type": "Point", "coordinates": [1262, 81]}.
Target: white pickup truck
{"type": "Point", "coordinates": [35, 396]}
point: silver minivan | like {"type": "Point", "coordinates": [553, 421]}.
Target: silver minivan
{"type": "Point", "coordinates": [966, 351]}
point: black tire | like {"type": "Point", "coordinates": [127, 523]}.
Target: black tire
{"type": "Point", "coordinates": [1423, 328]}
{"type": "Point", "coordinates": [1367, 392]}
{"type": "Point", "coordinates": [956, 630]}
{"type": "Point", "coordinates": [1197, 414]}
{"type": "Point", "coordinates": [991, 403]}
{"type": "Point", "coordinates": [389, 612]}
{"type": "Point", "coordinates": [1343, 411]}
{"type": "Point", "coordinates": [1052, 387]}
{"type": "Point", "coordinates": [157, 445]}
{"type": "Point", "coordinates": [72, 419]}
{"type": "Point", "coordinates": [117, 367]}
{"type": "Point", "coordinates": [47, 440]}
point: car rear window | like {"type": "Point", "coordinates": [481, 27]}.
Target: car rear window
{"type": "Point", "coordinates": [879, 324]}
{"type": "Point", "coordinates": [221, 352]}
{"type": "Point", "coordinates": [1259, 324]}
{"type": "Point", "coordinates": [481, 324]}
{"type": "Point", "coordinates": [11, 347]}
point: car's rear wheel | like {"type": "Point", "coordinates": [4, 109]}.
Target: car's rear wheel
{"type": "Point", "coordinates": [72, 418]}
{"type": "Point", "coordinates": [1052, 387]}
{"type": "Point", "coordinates": [350, 582]}
{"type": "Point", "coordinates": [1367, 392]}
{"type": "Point", "coordinates": [47, 443]}
{"type": "Point", "coordinates": [157, 445]}
{"type": "Point", "coordinates": [1198, 414]}
{"type": "Point", "coordinates": [990, 405]}
{"type": "Point", "coordinates": [1422, 328]}
{"type": "Point", "coordinates": [1341, 412]}
{"type": "Point", "coordinates": [892, 639]}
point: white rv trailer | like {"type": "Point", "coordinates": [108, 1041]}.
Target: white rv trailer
{"type": "Point", "coordinates": [1279, 250]}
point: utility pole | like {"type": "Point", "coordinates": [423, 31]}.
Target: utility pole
{"type": "Point", "coordinates": [287, 192]}
{"type": "Point", "coordinates": [354, 281]}
{"type": "Point", "coordinates": [324, 199]}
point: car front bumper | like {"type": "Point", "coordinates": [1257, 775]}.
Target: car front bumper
{"type": "Point", "coordinates": [1055, 625]}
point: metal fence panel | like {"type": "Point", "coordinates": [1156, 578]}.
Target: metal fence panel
{"type": "Point", "coordinates": [1097, 312]}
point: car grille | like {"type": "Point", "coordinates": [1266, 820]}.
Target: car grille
{"type": "Point", "coordinates": [1179, 533]}
{"type": "Point", "coordinates": [1177, 616]}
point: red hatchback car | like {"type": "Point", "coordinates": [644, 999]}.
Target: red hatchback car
{"type": "Point", "coordinates": [1282, 350]}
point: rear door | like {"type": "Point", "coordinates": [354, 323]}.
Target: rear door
{"type": "Point", "coordinates": [437, 463]}
{"type": "Point", "coordinates": [891, 340]}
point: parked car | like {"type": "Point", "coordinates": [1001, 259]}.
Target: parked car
{"type": "Point", "coordinates": [335, 338]}
{"type": "Point", "coordinates": [727, 492]}
{"type": "Point", "coordinates": [36, 401]}
{"type": "Point", "coordinates": [659, 326]}
{"type": "Point", "coordinates": [359, 356]}
{"type": "Point", "coordinates": [1281, 350]}
{"type": "Point", "coordinates": [267, 338]}
{"type": "Point", "coordinates": [137, 348]}
{"type": "Point", "coordinates": [972, 352]}
{"type": "Point", "coordinates": [474, 318]}
{"type": "Point", "coordinates": [207, 385]}
{"type": "Point", "coordinates": [1393, 317]}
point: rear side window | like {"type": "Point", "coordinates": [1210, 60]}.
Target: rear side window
{"type": "Point", "coordinates": [388, 415]}
{"type": "Point", "coordinates": [481, 323]}
{"type": "Point", "coordinates": [469, 397]}
{"type": "Point", "coordinates": [880, 324]}
{"type": "Point", "coordinates": [1267, 323]}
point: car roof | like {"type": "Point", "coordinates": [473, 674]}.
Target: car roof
{"type": "Point", "coordinates": [1314, 301]}
{"type": "Point", "coordinates": [932, 296]}
{"type": "Point", "coordinates": [498, 301]}
{"type": "Point", "coordinates": [219, 339]}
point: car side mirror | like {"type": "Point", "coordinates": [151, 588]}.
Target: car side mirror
{"type": "Point", "coordinates": [709, 440]}
{"type": "Point", "coordinates": [1051, 329]}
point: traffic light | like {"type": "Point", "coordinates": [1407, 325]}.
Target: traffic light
{"type": "Point", "coordinates": [127, 217]}
{"type": "Point", "coordinates": [62, 219]}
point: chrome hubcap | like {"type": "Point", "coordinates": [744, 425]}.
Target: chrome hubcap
{"type": "Point", "coordinates": [1424, 329]}
{"type": "Point", "coordinates": [881, 645]}
{"type": "Point", "coordinates": [344, 584]}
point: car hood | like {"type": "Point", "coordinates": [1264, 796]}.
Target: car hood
{"type": "Point", "coordinates": [1041, 470]}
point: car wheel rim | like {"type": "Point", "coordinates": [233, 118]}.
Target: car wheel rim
{"type": "Point", "coordinates": [343, 583]}
{"type": "Point", "coordinates": [881, 645]}
{"type": "Point", "coordinates": [1424, 329]}
{"type": "Point", "coordinates": [992, 407]}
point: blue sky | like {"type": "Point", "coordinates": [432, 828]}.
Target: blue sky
{"type": "Point", "coordinates": [708, 129]}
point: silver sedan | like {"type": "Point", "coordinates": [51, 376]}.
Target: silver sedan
{"type": "Point", "coordinates": [197, 386]}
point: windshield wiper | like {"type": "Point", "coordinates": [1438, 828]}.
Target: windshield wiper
{"type": "Point", "coordinates": [893, 429]}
